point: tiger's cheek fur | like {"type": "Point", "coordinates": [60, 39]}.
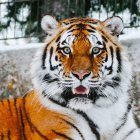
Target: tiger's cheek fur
{"type": "Point", "coordinates": [98, 62]}
{"type": "Point", "coordinates": [65, 62]}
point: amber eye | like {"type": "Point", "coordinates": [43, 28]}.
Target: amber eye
{"type": "Point", "coordinates": [95, 50]}
{"type": "Point", "coordinates": [66, 50]}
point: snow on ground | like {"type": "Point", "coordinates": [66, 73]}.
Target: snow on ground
{"type": "Point", "coordinates": [130, 33]}
{"type": "Point", "coordinates": [4, 48]}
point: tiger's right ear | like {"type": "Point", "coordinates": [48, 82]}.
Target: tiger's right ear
{"type": "Point", "coordinates": [49, 24]}
{"type": "Point", "coordinates": [114, 25]}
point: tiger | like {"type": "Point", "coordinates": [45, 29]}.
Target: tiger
{"type": "Point", "coordinates": [81, 78]}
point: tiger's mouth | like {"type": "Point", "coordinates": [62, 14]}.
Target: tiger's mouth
{"type": "Point", "coordinates": [80, 90]}
{"type": "Point", "coordinates": [78, 93]}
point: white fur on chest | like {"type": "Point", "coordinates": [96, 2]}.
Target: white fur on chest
{"type": "Point", "coordinates": [108, 118]}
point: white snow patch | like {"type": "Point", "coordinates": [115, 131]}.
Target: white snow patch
{"type": "Point", "coordinates": [131, 33]}
{"type": "Point", "coordinates": [19, 47]}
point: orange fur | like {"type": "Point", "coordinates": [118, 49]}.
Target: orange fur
{"type": "Point", "coordinates": [36, 121]}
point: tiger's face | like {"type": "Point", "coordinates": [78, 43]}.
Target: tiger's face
{"type": "Point", "coordinates": [81, 64]}
{"type": "Point", "coordinates": [81, 55]}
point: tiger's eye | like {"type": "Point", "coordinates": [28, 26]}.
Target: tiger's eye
{"type": "Point", "coordinates": [66, 50]}
{"type": "Point", "coordinates": [96, 50]}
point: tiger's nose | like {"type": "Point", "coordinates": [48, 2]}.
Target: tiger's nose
{"type": "Point", "coordinates": [81, 74]}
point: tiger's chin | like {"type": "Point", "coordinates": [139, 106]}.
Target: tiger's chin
{"type": "Point", "coordinates": [79, 103]}
{"type": "Point", "coordinates": [79, 98]}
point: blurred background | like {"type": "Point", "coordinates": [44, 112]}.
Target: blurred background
{"type": "Point", "coordinates": [21, 36]}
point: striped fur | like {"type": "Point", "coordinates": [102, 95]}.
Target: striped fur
{"type": "Point", "coordinates": [26, 119]}
{"type": "Point", "coordinates": [81, 80]}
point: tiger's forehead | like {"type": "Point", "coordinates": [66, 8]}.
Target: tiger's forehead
{"type": "Point", "coordinates": [81, 45]}
{"type": "Point", "coordinates": [80, 20]}
{"type": "Point", "coordinates": [80, 27]}
{"type": "Point", "coordinates": [80, 31]}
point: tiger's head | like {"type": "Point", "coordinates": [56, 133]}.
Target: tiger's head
{"type": "Point", "coordinates": [82, 63]}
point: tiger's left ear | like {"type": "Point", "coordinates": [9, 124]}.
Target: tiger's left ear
{"type": "Point", "coordinates": [114, 25]}
{"type": "Point", "coordinates": [49, 24]}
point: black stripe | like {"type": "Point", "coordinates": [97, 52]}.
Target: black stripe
{"type": "Point", "coordinates": [30, 123]}
{"type": "Point", "coordinates": [124, 118]}
{"type": "Point", "coordinates": [63, 43]}
{"type": "Point", "coordinates": [104, 44]}
{"type": "Point", "coordinates": [22, 124]}
{"type": "Point", "coordinates": [92, 126]}
{"type": "Point", "coordinates": [15, 102]}
{"type": "Point", "coordinates": [44, 54]}
{"type": "Point", "coordinates": [2, 102]}
{"type": "Point", "coordinates": [92, 22]}
{"type": "Point", "coordinates": [52, 67]}
{"type": "Point", "coordinates": [111, 51]}
{"type": "Point", "coordinates": [9, 135]}
{"type": "Point", "coordinates": [62, 135]}
{"type": "Point", "coordinates": [75, 128]}
{"type": "Point", "coordinates": [89, 30]}
{"type": "Point", "coordinates": [56, 58]}
{"type": "Point", "coordinates": [94, 36]}
{"type": "Point", "coordinates": [99, 43]}
{"type": "Point", "coordinates": [70, 27]}
{"type": "Point", "coordinates": [57, 102]}
{"type": "Point", "coordinates": [58, 38]}
{"type": "Point", "coordinates": [49, 79]}
{"type": "Point", "coordinates": [115, 82]}
{"type": "Point", "coordinates": [17, 116]}
{"type": "Point", "coordinates": [2, 136]}
{"type": "Point", "coordinates": [110, 68]}
{"type": "Point", "coordinates": [91, 27]}
{"type": "Point", "coordinates": [81, 26]}
{"type": "Point", "coordinates": [119, 60]}
{"type": "Point", "coordinates": [72, 30]}
{"type": "Point", "coordinates": [104, 38]}
{"type": "Point", "coordinates": [129, 133]}
{"type": "Point", "coordinates": [44, 58]}
{"type": "Point", "coordinates": [9, 106]}
{"type": "Point", "coordinates": [106, 59]}
{"type": "Point", "coordinates": [74, 19]}
{"type": "Point", "coordinates": [65, 23]}
{"type": "Point", "coordinates": [24, 109]}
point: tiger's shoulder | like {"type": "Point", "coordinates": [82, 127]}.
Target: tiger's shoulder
{"type": "Point", "coordinates": [25, 117]}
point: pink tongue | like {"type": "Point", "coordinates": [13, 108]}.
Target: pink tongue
{"type": "Point", "coordinates": [80, 89]}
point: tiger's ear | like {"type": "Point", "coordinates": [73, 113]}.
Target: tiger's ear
{"type": "Point", "coordinates": [49, 24]}
{"type": "Point", "coordinates": [114, 25]}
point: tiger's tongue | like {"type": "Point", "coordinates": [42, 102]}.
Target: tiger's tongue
{"type": "Point", "coordinates": [80, 90]}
